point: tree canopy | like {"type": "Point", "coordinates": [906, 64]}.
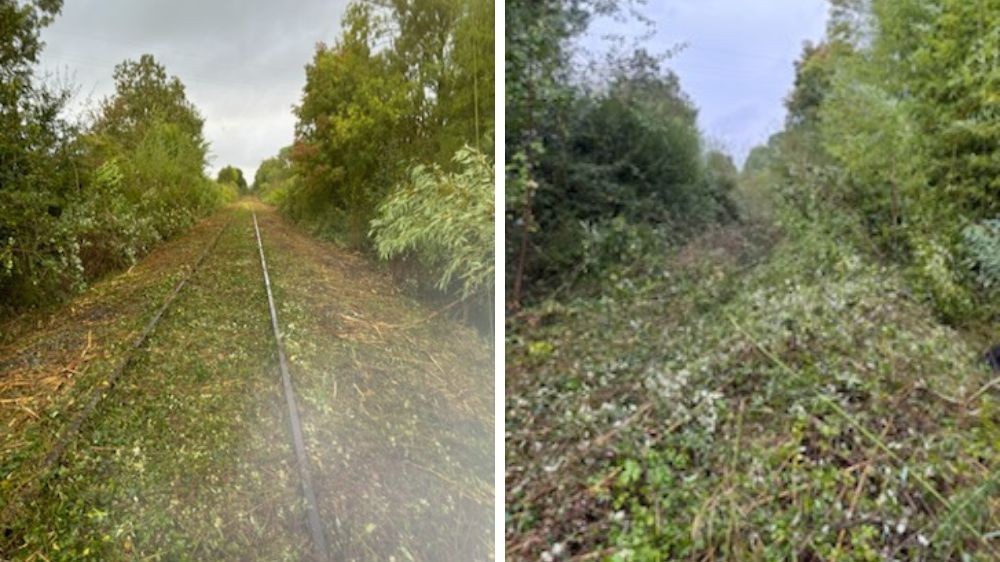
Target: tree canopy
{"type": "Point", "coordinates": [233, 175]}
{"type": "Point", "coordinates": [595, 157]}
{"type": "Point", "coordinates": [78, 200]}
{"type": "Point", "coordinates": [390, 109]}
{"type": "Point", "coordinates": [893, 120]}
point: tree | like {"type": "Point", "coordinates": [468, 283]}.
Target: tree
{"type": "Point", "coordinates": [383, 140]}
{"type": "Point", "coordinates": [153, 129]}
{"type": "Point", "coordinates": [233, 175]}
{"type": "Point", "coordinates": [350, 129]}
{"type": "Point", "coordinates": [74, 205]}
{"type": "Point", "coordinates": [405, 83]}
{"type": "Point", "coordinates": [622, 152]}
{"type": "Point", "coordinates": [273, 171]}
{"type": "Point", "coordinates": [151, 136]}
{"type": "Point", "coordinates": [539, 94]}
{"type": "Point", "coordinates": [893, 122]}
{"type": "Point", "coordinates": [37, 177]}
{"type": "Point", "coordinates": [145, 94]}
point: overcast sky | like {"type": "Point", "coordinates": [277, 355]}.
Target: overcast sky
{"type": "Point", "coordinates": [738, 64]}
{"type": "Point", "coordinates": [242, 61]}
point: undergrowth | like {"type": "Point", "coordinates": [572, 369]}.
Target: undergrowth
{"type": "Point", "coordinates": [749, 397]}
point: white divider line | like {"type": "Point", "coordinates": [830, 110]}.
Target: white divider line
{"type": "Point", "coordinates": [312, 511]}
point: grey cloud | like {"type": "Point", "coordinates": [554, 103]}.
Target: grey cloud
{"type": "Point", "coordinates": [241, 61]}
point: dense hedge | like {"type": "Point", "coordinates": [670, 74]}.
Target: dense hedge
{"type": "Point", "coordinates": [76, 200]}
{"type": "Point", "coordinates": [893, 121]}
{"type": "Point", "coordinates": [597, 162]}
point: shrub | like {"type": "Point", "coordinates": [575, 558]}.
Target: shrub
{"type": "Point", "coordinates": [982, 242]}
{"type": "Point", "coordinates": [110, 229]}
{"type": "Point", "coordinates": [446, 219]}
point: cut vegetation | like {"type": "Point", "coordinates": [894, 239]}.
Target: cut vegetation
{"type": "Point", "coordinates": [753, 402]}
{"type": "Point", "coordinates": [189, 456]}
{"type": "Point", "coordinates": [141, 407]}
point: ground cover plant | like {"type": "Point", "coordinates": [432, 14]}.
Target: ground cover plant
{"type": "Point", "coordinates": [781, 405]}
{"type": "Point", "coordinates": [189, 455]}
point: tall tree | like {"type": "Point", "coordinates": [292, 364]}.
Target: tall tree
{"type": "Point", "coordinates": [144, 94]}
{"type": "Point", "coordinates": [351, 126]}
{"type": "Point", "coordinates": [407, 82]}
{"type": "Point", "coordinates": [537, 71]}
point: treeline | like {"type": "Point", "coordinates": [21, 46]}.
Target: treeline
{"type": "Point", "coordinates": [392, 144]}
{"type": "Point", "coordinates": [601, 167]}
{"type": "Point", "coordinates": [893, 133]}
{"type": "Point", "coordinates": [232, 178]}
{"type": "Point", "coordinates": [80, 199]}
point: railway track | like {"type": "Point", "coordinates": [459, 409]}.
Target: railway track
{"type": "Point", "coordinates": [312, 510]}
{"type": "Point", "coordinates": [52, 459]}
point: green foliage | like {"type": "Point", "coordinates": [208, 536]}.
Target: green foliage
{"type": "Point", "coordinates": [234, 176]}
{"type": "Point", "coordinates": [392, 103]}
{"type": "Point", "coordinates": [74, 205]}
{"type": "Point", "coordinates": [717, 449]}
{"type": "Point", "coordinates": [894, 121]}
{"type": "Point", "coordinates": [145, 95]}
{"type": "Point", "coordinates": [350, 123]}
{"type": "Point", "coordinates": [112, 232]}
{"type": "Point", "coordinates": [446, 219]}
{"type": "Point", "coordinates": [149, 152]}
{"type": "Point", "coordinates": [627, 147]}
{"type": "Point", "coordinates": [37, 249]}
{"type": "Point", "coordinates": [275, 177]}
{"type": "Point", "coordinates": [622, 156]}
{"type": "Point", "coordinates": [784, 395]}
{"type": "Point", "coordinates": [367, 112]}
{"type": "Point", "coordinates": [983, 247]}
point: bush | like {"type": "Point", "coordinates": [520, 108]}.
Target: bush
{"type": "Point", "coordinates": [78, 206]}
{"type": "Point", "coordinates": [629, 153]}
{"type": "Point", "coordinates": [111, 231]}
{"type": "Point", "coordinates": [446, 220]}
{"type": "Point", "coordinates": [227, 192]}
{"type": "Point", "coordinates": [982, 242]}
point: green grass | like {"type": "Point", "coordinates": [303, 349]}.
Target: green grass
{"type": "Point", "coordinates": [796, 405]}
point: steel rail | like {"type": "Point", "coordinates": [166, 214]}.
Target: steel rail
{"type": "Point", "coordinates": [312, 510]}
{"type": "Point", "coordinates": [71, 432]}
